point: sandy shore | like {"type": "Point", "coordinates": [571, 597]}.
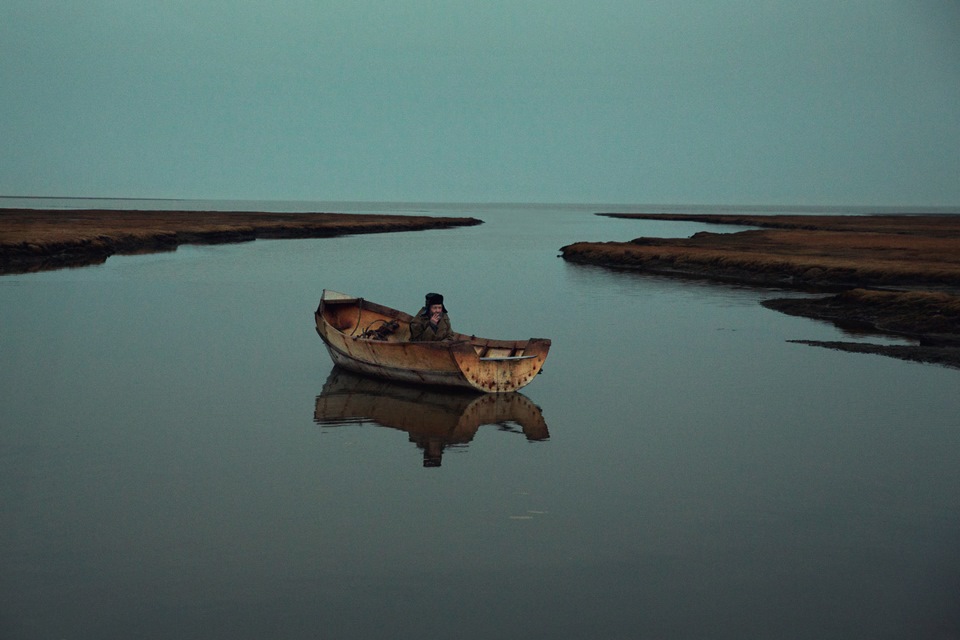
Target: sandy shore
{"type": "Point", "coordinates": [890, 275]}
{"type": "Point", "coordinates": [36, 240]}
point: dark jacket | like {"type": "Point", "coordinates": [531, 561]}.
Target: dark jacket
{"type": "Point", "coordinates": [422, 330]}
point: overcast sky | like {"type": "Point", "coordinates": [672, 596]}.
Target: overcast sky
{"type": "Point", "coordinates": [616, 101]}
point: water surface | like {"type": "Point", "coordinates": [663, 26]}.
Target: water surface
{"type": "Point", "coordinates": [163, 472]}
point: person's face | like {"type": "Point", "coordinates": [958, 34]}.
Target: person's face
{"type": "Point", "coordinates": [436, 309]}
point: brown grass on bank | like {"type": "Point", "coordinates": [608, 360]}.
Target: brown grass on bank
{"type": "Point", "coordinates": [920, 255]}
{"type": "Point", "coordinates": [42, 226]}
{"type": "Point", "coordinates": [929, 316]}
{"type": "Point", "coordinates": [927, 312]}
{"type": "Point", "coordinates": [49, 239]}
{"type": "Point", "coordinates": [927, 254]}
{"type": "Point", "coordinates": [910, 224]}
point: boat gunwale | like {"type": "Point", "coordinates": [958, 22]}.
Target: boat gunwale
{"type": "Point", "coordinates": [457, 338]}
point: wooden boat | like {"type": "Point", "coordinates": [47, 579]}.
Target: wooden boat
{"type": "Point", "coordinates": [374, 340]}
{"type": "Point", "coordinates": [433, 418]}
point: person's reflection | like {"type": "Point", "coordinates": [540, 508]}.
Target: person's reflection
{"type": "Point", "coordinates": [432, 451]}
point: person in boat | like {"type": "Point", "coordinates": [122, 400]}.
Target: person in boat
{"type": "Point", "coordinates": [432, 322]}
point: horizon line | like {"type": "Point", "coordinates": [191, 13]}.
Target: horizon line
{"type": "Point", "coordinates": [766, 206]}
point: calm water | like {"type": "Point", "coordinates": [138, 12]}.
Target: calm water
{"type": "Point", "coordinates": [170, 466]}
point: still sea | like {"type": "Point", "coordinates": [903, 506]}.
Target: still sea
{"type": "Point", "coordinates": [173, 462]}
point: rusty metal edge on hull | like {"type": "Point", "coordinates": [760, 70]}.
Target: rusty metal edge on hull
{"type": "Point", "coordinates": [465, 368]}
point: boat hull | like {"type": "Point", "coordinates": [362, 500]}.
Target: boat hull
{"type": "Point", "coordinates": [345, 323]}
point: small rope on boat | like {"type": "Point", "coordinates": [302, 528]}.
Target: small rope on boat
{"type": "Point", "coordinates": [386, 328]}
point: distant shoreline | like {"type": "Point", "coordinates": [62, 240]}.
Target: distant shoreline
{"type": "Point", "coordinates": [897, 275]}
{"type": "Point", "coordinates": [47, 239]}
{"type": "Point", "coordinates": [105, 198]}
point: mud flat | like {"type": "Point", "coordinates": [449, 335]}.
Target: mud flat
{"type": "Point", "coordinates": [892, 275]}
{"type": "Point", "coordinates": [38, 240]}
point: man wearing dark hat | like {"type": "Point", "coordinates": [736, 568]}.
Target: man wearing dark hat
{"type": "Point", "coordinates": [431, 322]}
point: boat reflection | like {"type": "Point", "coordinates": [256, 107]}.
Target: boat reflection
{"type": "Point", "coordinates": [434, 419]}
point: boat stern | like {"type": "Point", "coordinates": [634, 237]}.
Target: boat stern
{"type": "Point", "coordinates": [502, 373]}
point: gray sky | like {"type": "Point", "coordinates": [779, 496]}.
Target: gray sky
{"type": "Point", "coordinates": [676, 102]}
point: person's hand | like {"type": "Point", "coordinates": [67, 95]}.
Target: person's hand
{"type": "Point", "coordinates": [435, 318]}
